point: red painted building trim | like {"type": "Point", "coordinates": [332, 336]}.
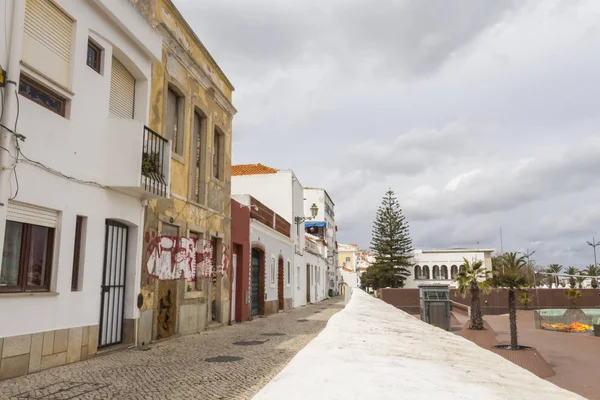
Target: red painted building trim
{"type": "Point", "coordinates": [240, 243]}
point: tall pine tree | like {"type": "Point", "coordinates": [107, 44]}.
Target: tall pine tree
{"type": "Point", "coordinates": [391, 244]}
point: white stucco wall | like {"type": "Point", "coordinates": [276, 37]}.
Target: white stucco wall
{"type": "Point", "coordinates": [273, 190]}
{"type": "Point", "coordinates": [387, 354]}
{"type": "Point", "coordinates": [276, 245]}
{"type": "Point", "coordinates": [350, 278]}
{"type": "Point", "coordinates": [319, 275]}
{"type": "Point", "coordinates": [283, 193]}
{"type": "Point", "coordinates": [82, 146]}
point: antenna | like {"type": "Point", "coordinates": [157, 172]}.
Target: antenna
{"type": "Point", "coordinates": [501, 243]}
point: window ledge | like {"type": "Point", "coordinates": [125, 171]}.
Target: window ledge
{"type": "Point", "coordinates": [177, 157]}
{"type": "Point", "coordinates": [194, 294]}
{"type": "Point", "coordinates": [28, 294]}
{"type": "Point", "coordinates": [218, 182]}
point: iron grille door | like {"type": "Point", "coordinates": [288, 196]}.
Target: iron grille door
{"type": "Point", "coordinates": [255, 277]}
{"type": "Point", "coordinates": [112, 297]}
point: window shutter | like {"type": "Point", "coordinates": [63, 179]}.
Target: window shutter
{"type": "Point", "coordinates": [122, 91]}
{"type": "Point", "coordinates": [29, 214]}
{"type": "Point", "coordinates": [47, 40]}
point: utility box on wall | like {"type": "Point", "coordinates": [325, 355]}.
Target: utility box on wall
{"type": "Point", "coordinates": [435, 305]}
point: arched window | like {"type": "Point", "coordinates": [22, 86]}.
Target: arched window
{"type": "Point", "coordinates": [436, 272]}
{"type": "Point", "coordinates": [444, 272]}
{"type": "Point", "coordinates": [417, 272]}
{"type": "Point", "coordinates": [426, 271]}
{"type": "Point", "coordinates": [462, 268]}
{"type": "Point", "coordinates": [453, 271]}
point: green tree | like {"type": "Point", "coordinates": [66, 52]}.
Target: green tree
{"type": "Point", "coordinates": [525, 298]}
{"type": "Point", "coordinates": [391, 245]}
{"type": "Point", "coordinates": [592, 270]}
{"type": "Point", "coordinates": [553, 269]}
{"type": "Point", "coordinates": [498, 262]}
{"type": "Point", "coordinates": [474, 279]}
{"type": "Point", "coordinates": [513, 278]}
{"type": "Point", "coordinates": [573, 295]}
{"type": "Point", "coordinates": [580, 280]}
{"type": "Point", "coordinates": [572, 271]}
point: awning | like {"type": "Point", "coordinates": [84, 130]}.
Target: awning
{"type": "Point", "coordinates": [309, 224]}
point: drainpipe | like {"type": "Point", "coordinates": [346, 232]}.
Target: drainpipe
{"type": "Point", "coordinates": [13, 70]}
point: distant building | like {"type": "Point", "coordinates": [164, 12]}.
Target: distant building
{"type": "Point", "coordinates": [364, 259]}
{"type": "Point", "coordinates": [323, 227]}
{"type": "Point", "coordinates": [442, 266]}
{"type": "Point", "coordinates": [282, 192]}
{"type": "Point", "coordinates": [347, 256]}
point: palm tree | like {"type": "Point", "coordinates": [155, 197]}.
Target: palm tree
{"type": "Point", "coordinates": [573, 295]}
{"type": "Point", "coordinates": [572, 271]}
{"type": "Point", "coordinates": [473, 279]}
{"type": "Point", "coordinates": [525, 299]}
{"type": "Point", "coordinates": [513, 278]}
{"type": "Point", "coordinates": [592, 270]}
{"type": "Point", "coordinates": [580, 280]}
{"type": "Point", "coordinates": [554, 269]}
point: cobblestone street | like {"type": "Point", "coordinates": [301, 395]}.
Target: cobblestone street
{"type": "Point", "coordinates": [233, 362]}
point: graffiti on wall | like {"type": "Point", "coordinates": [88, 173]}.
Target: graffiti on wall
{"type": "Point", "coordinates": [174, 258]}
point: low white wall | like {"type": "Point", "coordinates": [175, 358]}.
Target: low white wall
{"type": "Point", "coordinates": [371, 350]}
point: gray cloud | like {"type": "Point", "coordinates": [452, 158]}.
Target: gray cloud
{"type": "Point", "coordinates": [478, 114]}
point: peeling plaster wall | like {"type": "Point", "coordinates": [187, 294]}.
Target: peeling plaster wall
{"type": "Point", "coordinates": [179, 306]}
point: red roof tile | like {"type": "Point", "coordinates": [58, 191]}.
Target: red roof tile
{"type": "Point", "coordinates": [251, 169]}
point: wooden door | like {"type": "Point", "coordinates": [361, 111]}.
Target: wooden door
{"type": "Point", "coordinates": [280, 287]}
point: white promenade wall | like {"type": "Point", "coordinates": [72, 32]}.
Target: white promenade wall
{"type": "Point", "coordinates": [388, 354]}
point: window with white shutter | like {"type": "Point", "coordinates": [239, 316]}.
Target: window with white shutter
{"type": "Point", "coordinates": [47, 40]}
{"type": "Point", "coordinates": [30, 214]}
{"type": "Point", "coordinates": [122, 91]}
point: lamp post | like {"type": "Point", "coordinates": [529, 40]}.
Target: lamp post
{"type": "Point", "coordinates": [593, 243]}
{"type": "Point", "coordinates": [314, 210]}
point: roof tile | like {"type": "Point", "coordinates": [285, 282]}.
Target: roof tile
{"type": "Point", "coordinates": [251, 169]}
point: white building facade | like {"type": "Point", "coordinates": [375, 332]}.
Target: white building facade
{"type": "Point", "coordinates": [442, 266]}
{"type": "Point", "coordinates": [282, 192]}
{"type": "Point", "coordinates": [73, 193]}
{"type": "Point", "coordinates": [317, 269]}
{"type": "Point", "coordinates": [324, 227]}
{"type": "Point", "coordinates": [271, 261]}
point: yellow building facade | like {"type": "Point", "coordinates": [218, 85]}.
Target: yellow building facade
{"type": "Point", "coordinates": [185, 267]}
{"type": "Point", "coordinates": [347, 256]}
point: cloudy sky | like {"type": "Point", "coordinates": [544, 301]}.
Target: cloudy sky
{"type": "Point", "coordinates": [478, 114]}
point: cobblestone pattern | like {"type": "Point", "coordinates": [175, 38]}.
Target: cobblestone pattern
{"type": "Point", "coordinates": [176, 368]}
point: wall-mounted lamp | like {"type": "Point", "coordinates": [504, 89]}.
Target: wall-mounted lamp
{"type": "Point", "coordinates": [314, 210]}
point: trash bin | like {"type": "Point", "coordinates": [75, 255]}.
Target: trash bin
{"type": "Point", "coordinates": [330, 292]}
{"type": "Point", "coordinates": [596, 330]}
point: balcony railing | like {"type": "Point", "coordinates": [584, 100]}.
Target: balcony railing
{"type": "Point", "coordinates": [154, 163]}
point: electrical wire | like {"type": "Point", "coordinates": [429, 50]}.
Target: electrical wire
{"type": "Point", "coordinates": [17, 181]}
{"type": "Point", "coordinates": [17, 142]}
{"type": "Point", "coordinates": [18, 109]}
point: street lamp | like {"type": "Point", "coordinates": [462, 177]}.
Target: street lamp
{"type": "Point", "coordinates": [314, 210]}
{"type": "Point", "coordinates": [593, 243]}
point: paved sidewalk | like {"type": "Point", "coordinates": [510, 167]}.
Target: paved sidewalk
{"type": "Point", "coordinates": [178, 368]}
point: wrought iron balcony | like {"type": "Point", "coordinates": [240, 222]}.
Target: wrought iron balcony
{"type": "Point", "coordinates": [155, 159]}
{"type": "Point", "coordinates": [140, 159]}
